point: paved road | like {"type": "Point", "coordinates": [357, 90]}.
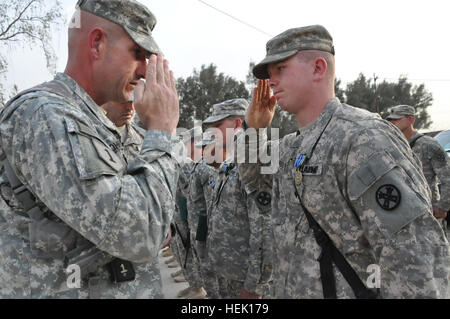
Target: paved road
{"type": "Point", "coordinates": [170, 287]}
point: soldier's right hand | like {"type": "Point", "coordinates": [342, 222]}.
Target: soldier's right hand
{"type": "Point", "coordinates": [262, 109]}
{"type": "Point", "coordinates": [156, 99]}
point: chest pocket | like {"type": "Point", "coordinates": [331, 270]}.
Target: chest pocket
{"type": "Point", "coordinates": [92, 156]}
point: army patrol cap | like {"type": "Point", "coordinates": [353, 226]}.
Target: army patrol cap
{"type": "Point", "coordinates": [207, 139]}
{"type": "Point", "coordinates": [194, 134]}
{"type": "Point", "coordinates": [134, 17]}
{"type": "Point", "coordinates": [234, 107]}
{"type": "Point", "coordinates": [288, 43]}
{"type": "Point", "coordinates": [400, 111]}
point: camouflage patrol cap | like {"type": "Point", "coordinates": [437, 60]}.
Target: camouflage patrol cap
{"type": "Point", "coordinates": [288, 43]}
{"type": "Point", "coordinates": [194, 134]}
{"type": "Point", "coordinates": [400, 111]}
{"type": "Point", "coordinates": [234, 107]}
{"type": "Point", "coordinates": [134, 17]}
{"type": "Point", "coordinates": [207, 139]}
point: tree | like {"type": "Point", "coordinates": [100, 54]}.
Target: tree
{"type": "Point", "coordinates": [365, 94]}
{"type": "Point", "coordinates": [338, 91]}
{"type": "Point", "coordinates": [28, 23]}
{"type": "Point", "coordinates": [200, 91]}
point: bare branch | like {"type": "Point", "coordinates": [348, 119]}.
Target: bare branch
{"type": "Point", "coordinates": [17, 19]}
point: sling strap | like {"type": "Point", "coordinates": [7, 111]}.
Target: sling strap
{"type": "Point", "coordinates": [413, 141]}
{"type": "Point", "coordinates": [329, 255]}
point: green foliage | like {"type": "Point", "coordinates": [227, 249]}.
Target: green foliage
{"type": "Point", "coordinates": [205, 87]}
{"type": "Point", "coordinates": [200, 91]}
{"type": "Point", "coordinates": [366, 94]}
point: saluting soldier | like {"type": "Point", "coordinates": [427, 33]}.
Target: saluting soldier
{"type": "Point", "coordinates": [70, 197]}
{"type": "Point", "coordinates": [351, 213]}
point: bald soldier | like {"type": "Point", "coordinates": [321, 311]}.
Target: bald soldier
{"type": "Point", "coordinates": [77, 219]}
{"type": "Point", "coordinates": [351, 213]}
{"type": "Point", "coordinates": [435, 162]}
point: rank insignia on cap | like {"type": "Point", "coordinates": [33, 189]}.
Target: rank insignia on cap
{"type": "Point", "coordinates": [388, 197]}
{"type": "Point", "coordinates": [264, 198]}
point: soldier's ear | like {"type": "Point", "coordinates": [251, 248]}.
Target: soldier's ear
{"type": "Point", "coordinates": [320, 68]}
{"type": "Point", "coordinates": [411, 119]}
{"type": "Point", "coordinates": [97, 43]}
{"type": "Point", "coordinates": [237, 123]}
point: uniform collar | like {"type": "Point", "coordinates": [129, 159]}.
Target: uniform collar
{"type": "Point", "coordinates": [413, 137]}
{"type": "Point", "coordinates": [85, 97]}
{"type": "Point", "coordinates": [309, 134]}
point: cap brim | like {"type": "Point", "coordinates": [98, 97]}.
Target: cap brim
{"type": "Point", "coordinates": [260, 70]}
{"type": "Point", "coordinates": [204, 143]}
{"type": "Point", "coordinates": [144, 41]}
{"type": "Point", "coordinates": [214, 119]}
{"type": "Point", "coordinates": [394, 117]}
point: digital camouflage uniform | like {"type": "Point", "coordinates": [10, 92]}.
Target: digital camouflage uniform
{"type": "Point", "coordinates": [433, 160]}
{"type": "Point", "coordinates": [189, 263]}
{"type": "Point", "coordinates": [201, 187]}
{"type": "Point", "coordinates": [238, 244]}
{"type": "Point", "coordinates": [70, 156]}
{"type": "Point", "coordinates": [132, 139]}
{"type": "Point", "coordinates": [436, 168]}
{"type": "Point", "coordinates": [362, 185]}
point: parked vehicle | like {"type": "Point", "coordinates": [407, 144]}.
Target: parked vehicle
{"type": "Point", "coordinates": [444, 139]}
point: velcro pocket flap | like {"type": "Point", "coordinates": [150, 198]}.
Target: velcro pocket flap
{"type": "Point", "coordinates": [378, 165]}
{"type": "Point", "coordinates": [93, 157]}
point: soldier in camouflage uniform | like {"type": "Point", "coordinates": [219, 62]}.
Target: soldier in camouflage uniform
{"type": "Point", "coordinates": [87, 209]}
{"type": "Point", "coordinates": [236, 243]}
{"type": "Point", "coordinates": [132, 137]}
{"type": "Point", "coordinates": [201, 186]}
{"type": "Point", "coordinates": [185, 243]}
{"type": "Point", "coordinates": [351, 212]}
{"type": "Point", "coordinates": [435, 162]}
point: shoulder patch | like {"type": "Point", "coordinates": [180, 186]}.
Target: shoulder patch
{"type": "Point", "coordinates": [264, 198]}
{"type": "Point", "coordinates": [388, 197]}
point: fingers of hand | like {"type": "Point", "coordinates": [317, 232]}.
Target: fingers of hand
{"type": "Point", "coordinates": [139, 91]}
{"type": "Point", "coordinates": [260, 90]}
{"type": "Point", "coordinates": [267, 90]}
{"type": "Point", "coordinates": [167, 77]}
{"type": "Point", "coordinates": [160, 70]}
{"type": "Point", "coordinates": [150, 77]}
{"type": "Point", "coordinates": [273, 103]}
{"type": "Point", "coordinates": [173, 81]}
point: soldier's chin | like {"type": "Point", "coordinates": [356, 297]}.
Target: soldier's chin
{"type": "Point", "coordinates": [282, 105]}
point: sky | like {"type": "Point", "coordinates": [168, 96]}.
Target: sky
{"type": "Point", "coordinates": [386, 38]}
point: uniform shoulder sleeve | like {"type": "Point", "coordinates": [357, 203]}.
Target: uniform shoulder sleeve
{"type": "Point", "coordinates": [384, 181]}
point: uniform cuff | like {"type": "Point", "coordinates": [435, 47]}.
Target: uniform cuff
{"type": "Point", "coordinates": [157, 140]}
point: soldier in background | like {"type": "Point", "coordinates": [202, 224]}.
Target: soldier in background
{"type": "Point", "coordinates": [236, 242]}
{"type": "Point", "coordinates": [70, 200]}
{"type": "Point", "coordinates": [201, 188]}
{"type": "Point", "coordinates": [351, 211]}
{"type": "Point", "coordinates": [435, 162]}
{"type": "Point", "coordinates": [186, 221]}
{"type": "Point", "coordinates": [132, 136]}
